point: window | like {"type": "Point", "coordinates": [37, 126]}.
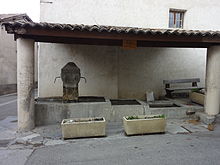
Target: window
{"type": "Point", "coordinates": [176, 18]}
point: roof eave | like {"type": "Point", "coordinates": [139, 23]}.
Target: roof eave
{"type": "Point", "coordinates": [58, 34]}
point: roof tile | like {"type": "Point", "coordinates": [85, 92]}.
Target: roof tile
{"type": "Point", "coordinates": [110, 29]}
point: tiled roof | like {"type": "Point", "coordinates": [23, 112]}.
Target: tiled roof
{"type": "Point", "coordinates": [3, 16]}
{"type": "Point", "coordinates": [110, 29]}
{"type": "Point", "coordinates": [14, 17]}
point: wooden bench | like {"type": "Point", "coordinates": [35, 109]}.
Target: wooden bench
{"type": "Point", "coordinates": [169, 90]}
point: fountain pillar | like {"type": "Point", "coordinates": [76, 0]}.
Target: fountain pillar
{"type": "Point", "coordinates": [212, 98]}
{"type": "Point", "coordinates": [25, 84]}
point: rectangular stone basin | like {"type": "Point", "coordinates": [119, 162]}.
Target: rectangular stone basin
{"type": "Point", "coordinates": [83, 127]}
{"type": "Point", "coordinates": [163, 105]}
{"type": "Point", "coordinates": [144, 124]}
{"type": "Point", "coordinates": [124, 102]}
{"type": "Point", "coordinates": [81, 99]}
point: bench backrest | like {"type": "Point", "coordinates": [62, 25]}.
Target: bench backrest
{"type": "Point", "coordinates": [181, 81]}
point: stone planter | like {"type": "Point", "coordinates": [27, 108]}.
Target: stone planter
{"type": "Point", "coordinates": [145, 124]}
{"type": "Point", "coordinates": [83, 127]}
{"type": "Point", "coordinates": [197, 97]}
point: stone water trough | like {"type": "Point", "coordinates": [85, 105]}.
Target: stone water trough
{"type": "Point", "coordinates": [144, 124]}
{"type": "Point", "coordinates": [53, 110]}
{"type": "Point", "coordinates": [83, 127]}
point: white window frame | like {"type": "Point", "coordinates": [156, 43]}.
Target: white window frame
{"type": "Point", "coordinates": [176, 22]}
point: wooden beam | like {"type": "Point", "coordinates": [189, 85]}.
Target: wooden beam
{"type": "Point", "coordinates": [67, 40]}
{"type": "Point", "coordinates": [111, 42]}
{"type": "Point", "coordinates": [174, 44]}
{"type": "Point", "coordinates": [117, 36]}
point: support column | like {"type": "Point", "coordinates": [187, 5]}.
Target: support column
{"type": "Point", "coordinates": [212, 99]}
{"type": "Point", "coordinates": [25, 84]}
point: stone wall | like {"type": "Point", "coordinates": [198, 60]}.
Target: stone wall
{"type": "Point", "coordinates": [8, 63]}
{"type": "Point", "coordinates": [8, 66]}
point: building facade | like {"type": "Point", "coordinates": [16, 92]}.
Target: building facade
{"type": "Point", "coordinates": [115, 72]}
{"type": "Point", "coordinates": [8, 55]}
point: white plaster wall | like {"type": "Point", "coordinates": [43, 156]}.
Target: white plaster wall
{"type": "Point", "coordinates": [118, 73]}
{"type": "Point", "coordinates": [8, 58]}
{"type": "Point", "coordinates": [97, 64]}
{"type": "Point", "coordinates": [144, 69]}
{"type": "Point", "coordinates": [114, 72]}
{"type": "Point", "coordinates": [201, 14]}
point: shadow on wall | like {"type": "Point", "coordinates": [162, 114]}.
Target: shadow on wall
{"type": "Point", "coordinates": [144, 69]}
{"type": "Point", "coordinates": [117, 73]}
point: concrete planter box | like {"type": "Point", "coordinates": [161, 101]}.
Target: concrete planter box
{"type": "Point", "coordinates": [144, 125]}
{"type": "Point", "coordinates": [197, 97]}
{"type": "Point", "coordinates": [83, 127]}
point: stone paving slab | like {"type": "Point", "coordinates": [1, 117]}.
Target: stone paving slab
{"type": "Point", "coordinates": [8, 128]}
{"type": "Point", "coordinates": [6, 134]}
{"type": "Point", "coordinates": [49, 131]}
{"type": "Point", "coordinates": [185, 126]}
{"type": "Point", "coordinates": [14, 157]}
{"type": "Point", "coordinates": [176, 129]}
{"type": "Point", "coordinates": [195, 128]}
{"type": "Point", "coordinates": [50, 142]}
{"type": "Point", "coordinates": [9, 122]}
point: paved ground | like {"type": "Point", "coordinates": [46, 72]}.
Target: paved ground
{"type": "Point", "coordinates": [151, 149]}
{"type": "Point", "coordinates": [8, 106]}
{"type": "Point", "coordinates": [171, 149]}
{"type": "Point", "coordinates": [44, 146]}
